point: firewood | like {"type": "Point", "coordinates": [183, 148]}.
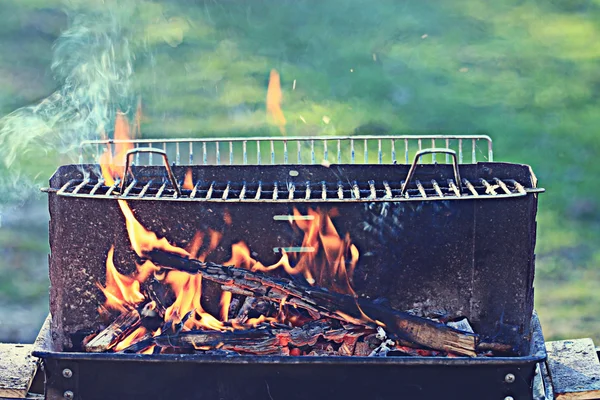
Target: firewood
{"type": "Point", "coordinates": [262, 340]}
{"type": "Point", "coordinates": [157, 293]}
{"type": "Point", "coordinates": [113, 333]}
{"type": "Point", "coordinates": [362, 349]}
{"type": "Point", "coordinates": [320, 302]}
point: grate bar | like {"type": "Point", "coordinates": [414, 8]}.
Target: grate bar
{"type": "Point", "coordinates": [65, 186]}
{"type": "Point", "coordinates": [243, 191]}
{"type": "Point", "coordinates": [388, 190]}
{"type": "Point", "coordinates": [97, 186]}
{"type": "Point", "coordinates": [517, 186]}
{"type": "Point", "coordinates": [129, 187]}
{"type": "Point", "coordinates": [489, 189]}
{"type": "Point", "coordinates": [144, 189]}
{"type": "Point", "coordinates": [210, 190]}
{"type": "Point", "coordinates": [470, 187]}
{"type": "Point", "coordinates": [453, 187]}
{"type": "Point", "coordinates": [113, 187]}
{"type": "Point", "coordinates": [275, 191]}
{"type": "Point", "coordinates": [421, 188]}
{"type": "Point", "coordinates": [307, 195]}
{"type": "Point", "coordinates": [218, 153]}
{"type": "Point", "coordinates": [194, 190]}
{"type": "Point", "coordinates": [82, 184]}
{"type": "Point", "coordinates": [502, 185]}
{"type": "Point", "coordinates": [437, 188]}
{"type": "Point", "coordinates": [291, 190]}
{"type": "Point", "coordinates": [272, 153]}
{"type": "Point", "coordinates": [226, 191]}
{"type": "Point", "coordinates": [258, 157]}
{"type": "Point", "coordinates": [373, 194]}
{"type": "Point", "coordinates": [258, 191]}
{"type": "Point", "coordinates": [323, 190]}
{"type": "Point", "coordinates": [355, 190]}
{"type": "Point", "coordinates": [340, 191]}
{"type": "Point", "coordinates": [161, 190]}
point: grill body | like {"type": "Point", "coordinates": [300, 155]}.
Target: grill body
{"type": "Point", "coordinates": [428, 249]}
{"type": "Point", "coordinates": [135, 376]}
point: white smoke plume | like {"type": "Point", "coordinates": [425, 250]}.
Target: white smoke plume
{"type": "Point", "coordinates": [93, 67]}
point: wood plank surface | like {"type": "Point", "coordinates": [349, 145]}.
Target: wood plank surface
{"type": "Point", "coordinates": [17, 369]}
{"type": "Point", "coordinates": [574, 369]}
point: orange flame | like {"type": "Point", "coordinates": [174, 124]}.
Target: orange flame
{"type": "Point", "coordinates": [142, 240]}
{"type": "Point", "coordinates": [274, 97]}
{"type": "Point", "coordinates": [112, 165]}
{"type": "Point", "coordinates": [188, 183]}
{"type": "Point", "coordinates": [225, 302]}
{"type": "Point", "coordinates": [121, 291]}
{"type": "Point", "coordinates": [328, 259]}
{"type": "Point", "coordinates": [131, 338]}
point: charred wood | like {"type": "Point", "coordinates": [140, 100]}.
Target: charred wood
{"type": "Point", "coordinates": [262, 340]}
{"type": "Point", "coordinates": [320, 302]}
{"type": "Point", "coordinates": [113, 333]}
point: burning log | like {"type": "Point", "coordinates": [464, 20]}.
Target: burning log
{"type": "Point", "coordinates": [262, 340]}
{"type": "Point", "coordinates": [320, 302]}
{"type": "Point", "coordinates": [117, 330]}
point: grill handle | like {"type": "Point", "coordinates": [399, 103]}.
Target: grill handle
{"type": "Point", "coordinates": [155, 151]}
{"type": "Point", "coordinates": [423, 152]}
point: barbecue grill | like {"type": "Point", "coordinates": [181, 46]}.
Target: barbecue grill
{"type": "Point", "coordinates": [439, 235]}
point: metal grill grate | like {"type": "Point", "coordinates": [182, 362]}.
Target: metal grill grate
{"type": "Point", "coordinates": [259, 191]}
{"type": "Point", "coordinates": [299, 150]}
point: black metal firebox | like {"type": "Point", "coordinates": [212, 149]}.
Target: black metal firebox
{"type": "Point", "coordinates": [447, 239]}
{"type": "Point", "coordinates": [139, 376]}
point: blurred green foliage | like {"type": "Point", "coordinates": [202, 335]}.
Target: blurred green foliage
{"type": "Point", "coordinates": [523, 71]}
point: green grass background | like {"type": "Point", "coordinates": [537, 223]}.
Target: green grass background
{"type": "Point", "coordinates": [525, 72]}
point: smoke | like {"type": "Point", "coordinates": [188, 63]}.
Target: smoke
{"type": "Point", "coordinates": [93, 67]}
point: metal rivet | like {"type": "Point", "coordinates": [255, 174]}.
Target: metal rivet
{"type": "Point", "coordinates": [67, 373]}
{"type": "Point", "coordinates": [68, 395]}
{"type": "Point", "coordinates": [509, 398]}
{"type": "Point", "coordinates": [509, 378]}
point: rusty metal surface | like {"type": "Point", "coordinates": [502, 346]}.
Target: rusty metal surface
{"type": "Point", "coordinates": [471, 258]}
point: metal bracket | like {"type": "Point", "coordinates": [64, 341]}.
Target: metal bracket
{"type": "Point", "coordinates": [421, 153]}
{"type": "Point", "coordinates": [154, 151]}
